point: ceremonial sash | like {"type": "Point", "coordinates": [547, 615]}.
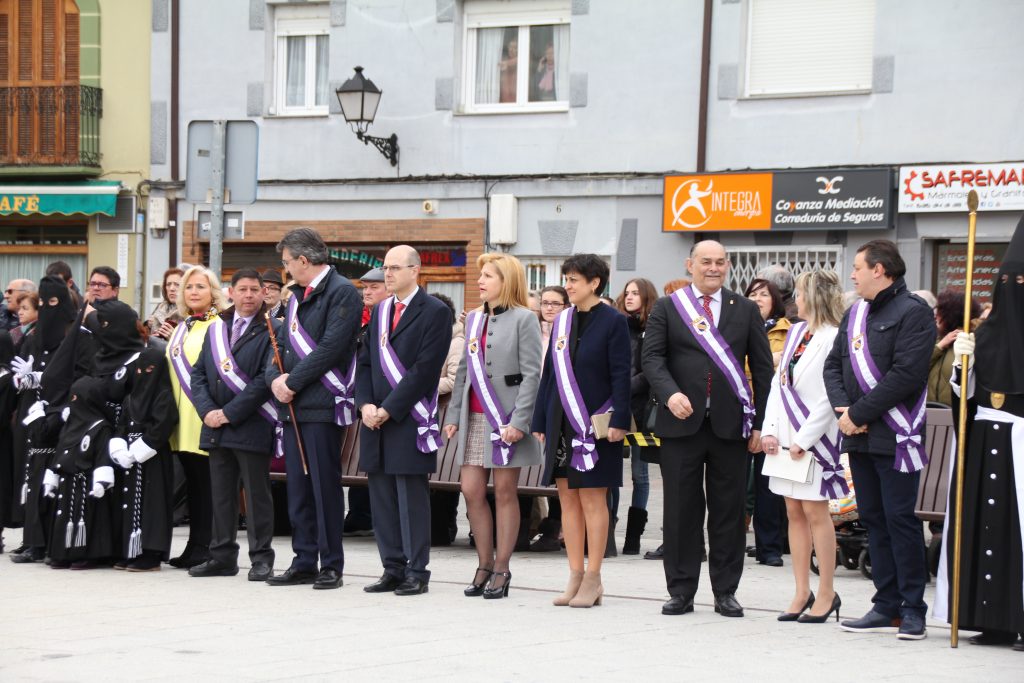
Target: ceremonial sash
{"type": "Point", "coordinates": [341, 387]}
{"type": "Point", "coordinates": [910, 453]}
{"type": "Point", "coordinates": [236, 380]}
{"type": "Point", "coordinates": [424, 413]}
{"type": "Point", "coordinates": [182, 368]}
{"type": "Point", "coordinates": [826, 452]}
{"type": "Point", "coordinates": [501, 451]}
{"type": "Point", "coordinates": [710, 339]}
{"type": "Point", "coordinates": [584, 446]}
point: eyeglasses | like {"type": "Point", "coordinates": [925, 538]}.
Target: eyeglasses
{"type": "Point", "coordinates": [552, 304]}
{"type": "Point", "coordinates": [286, 261]}
{"type": "Point", "coordinates": [394, 269]}
{"type": "Point", "coordinates": [8, 292]}
{"type": "Point", "coordinates": [93, 284]}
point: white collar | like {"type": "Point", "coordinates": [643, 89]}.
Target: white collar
{"type": "Point", "coordinates": [407, 300]}
{"type": "Point", "coordinates": [316, 281]}
{"type": "Point", "coordinates": [715, 296]}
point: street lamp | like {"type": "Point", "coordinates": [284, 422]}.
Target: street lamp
{"type": "Point", "coordinates": [359, 97]}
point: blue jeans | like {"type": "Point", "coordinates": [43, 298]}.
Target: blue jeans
{"type": "Point", "coordinates": [641, 481]}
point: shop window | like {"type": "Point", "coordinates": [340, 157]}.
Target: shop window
{"type": "Point", "coordinates": [301, 39]}
{"type": "Point", "coordinates": [746, 262]}
{"type": "Point", "coordinates": [809, 47]}
{"type": "Point", "coordinates": [516, 56]}
{"type": "Point", "coordinates": [541, 272]}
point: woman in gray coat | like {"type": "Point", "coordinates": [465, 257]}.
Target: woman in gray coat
{"type": "Point", "coordinates": [492, 402]}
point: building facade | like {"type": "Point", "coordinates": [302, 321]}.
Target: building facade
{"type": "Point", "coordinates": [548, 127]}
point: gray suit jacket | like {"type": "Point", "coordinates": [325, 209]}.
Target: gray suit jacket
{"type": "Point", "coordinates": [512, 351]}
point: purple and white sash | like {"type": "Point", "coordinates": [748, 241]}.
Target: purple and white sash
{"type": "Point", "coordinates": [910, 453]}
{"type": "Point", "coordinates": [584, 446]}
{"type": "Point", "coordinates": [237, 380]}
{"type": "Point", "coordinates": [424, 413]}
{"type": "Point", "coordinates": [501, 451]}
{"type": "Point", "coordinates": [707, 335]}
{"type": "Point", "coordinates": [341, 387]}
{"type": "Point", "coordinates": [833, 480]}
{"type": "Point", "coordinates": [182, 368]}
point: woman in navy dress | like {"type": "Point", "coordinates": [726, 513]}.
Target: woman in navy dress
{"type": "Point", "coordinates": [597, 339]}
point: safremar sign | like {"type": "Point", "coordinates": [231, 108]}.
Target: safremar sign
{"type": "Point", "coordinates": [832, 199]}
{"type": "Point", "coordinates": [944, 187]}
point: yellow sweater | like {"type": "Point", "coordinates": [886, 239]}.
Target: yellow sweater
{"type": "Point", "coordinates": [186, 435]}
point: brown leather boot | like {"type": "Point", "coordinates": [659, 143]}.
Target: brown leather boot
{"type": "Point", "coordinates": [590, 591]}
{"type": "Point", "coordinates": [575, 579]}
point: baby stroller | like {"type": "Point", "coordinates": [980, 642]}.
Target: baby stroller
{"type": "Point", "coordinates": [851, 536]}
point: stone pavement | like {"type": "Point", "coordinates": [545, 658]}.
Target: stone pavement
{"type": "Point", "coordinates": [111, 626]}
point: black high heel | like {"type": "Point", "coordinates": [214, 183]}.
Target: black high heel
{"type": "Point", "coordinates": [793, 616]}
{"type": "Point", "coordinates": [492, 592]}
{"type": "Point", "coordinates": [810, 619]}
{"type": "Point", "coordinates": [476, 589]}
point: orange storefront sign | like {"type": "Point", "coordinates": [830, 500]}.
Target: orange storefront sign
{"type": "Point", "coordinates": [728, 201]}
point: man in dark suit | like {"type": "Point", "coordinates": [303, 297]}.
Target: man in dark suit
{"type": "Point", "coordinates": [238, 428]}
{"type": "Point", "coordinates": [897, 333]}
{"type": "Point", "coordinates": [396, 392]}
{"type": "Point", "coordinates": [317, 342]}
{"type": "Point", "coordinates": [708, 421]}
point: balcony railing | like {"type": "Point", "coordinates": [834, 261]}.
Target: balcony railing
{"type": "Point", "coordinates": [50, 125]}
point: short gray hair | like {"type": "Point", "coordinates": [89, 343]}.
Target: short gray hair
{"type": "Point", "coordinates": [779, 276]}
{"type": "Point", "coordinates": [304, 242]}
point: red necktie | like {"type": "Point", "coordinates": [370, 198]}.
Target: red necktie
{"type": "Point", "coordinates": [711, 319]}
{"type": "Point", "coordinates": [309, 290]}
{"type": "Point", "coordinates": [399, 307]}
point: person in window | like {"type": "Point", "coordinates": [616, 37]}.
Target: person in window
{"type": "Point", "coordinates": [819, 301]}
{"type": "Point", "coordinates": [492, 416]}
{"type": "Point", "coordinates": [508, 68]}
{"type": "Point", "coordinates": [588, 367]}
{"type": "Point", "coordinates": [165, 316]}
{"type": "Point", "coordinates": [199, 305]}
{"type": "Point", "coordinates": [545, 76]}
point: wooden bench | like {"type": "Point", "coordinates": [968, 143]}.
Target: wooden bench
{"type": "Point", "coordinates": [446, 478]}
{"type": "Point", "coordinates": [933, 490]}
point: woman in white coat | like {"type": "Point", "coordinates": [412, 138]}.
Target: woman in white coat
{"type": "Point", "coordinates": [800, 418]}
{"type": "Point", "coordinates": [492, 403]}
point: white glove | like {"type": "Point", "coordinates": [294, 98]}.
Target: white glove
{"type": "Point", "coordinates": [31, 380]}
{"type": "Point", "coordinates": [140, 451]}
{"type": "Point", "coordinates": [964, 346]}
{"type": "Point", "coordinates": [50, 483]}
{"type": "Point", "coordinates": [36, 411]}
{"type": "Point", "coordinates": [22, 366]}
{"type": "Point", "coordinates": [65, 414]}
{"type": "Point", "coordinates": [119, 453]}
{"type": "Point", "coordinates": [102, 479]}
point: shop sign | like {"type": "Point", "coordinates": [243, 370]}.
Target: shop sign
{"type": "Point", "coordinates": [832, 199]}
{"type": "Point", "coordinates": [952, 268]}
{"type": "Point", "coordinates": [944, 187]}
{"type": "Point", "coordinates": [714, 202]}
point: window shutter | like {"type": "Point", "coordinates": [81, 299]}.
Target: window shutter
{"type": "Point", "coordinates": [25, 40]}
{"type": "Point", "coordinates": [48, 41]}
{"type": "Point", "coordinates": [71, 33]}
{"type": "Point", "coordinates": [5, 42]}
{"type": "Point", "coordinates": [803, 47]}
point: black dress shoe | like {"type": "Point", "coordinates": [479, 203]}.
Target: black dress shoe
{"type": "Point", "coordinates": [260, 571]}
{"type": "Point", "coordinates": [28, 555]}
{"type": "Point", "coordinates": [293, 577]}
{"type": "Point", "coordinates": [214, 568]}
{"type": "Point", "coordinates": [1019, 645]}
{"type": "Point", "coordinates": [727, 606]}
{"type": "Point", "coordinates": [385, 584]}
{"type": "Point", "coordinates": [411, 586]}
{"type": "Point", "coordinates": [677, 605]}
{"type": "Point", "coordinates": [993, 638]}
{"type": "Point", "coordinates": [327, 579]}
{"type": "Point", "coordinates": [656, 554]}
{"type": "Point", "coordinates": [771, 561]}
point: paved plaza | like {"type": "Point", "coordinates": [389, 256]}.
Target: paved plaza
{"type": "Point", "coordinates": [112, 626]}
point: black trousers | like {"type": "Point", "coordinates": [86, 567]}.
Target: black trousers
{"type": "Point", "coordinates": [885, 504]}
{"type": "Point", "coordinates": [200, 500]}
{"type": "Point", "coordinates": [401, 523]}
{"type": "Point", "coordinates": [230, 467]}
{"type": "Point", "coordinates": [316, 503]}
{"type": "Point", "coordinates": [768, 509]}
{"type": "Point", "coordinates": [690, 466]}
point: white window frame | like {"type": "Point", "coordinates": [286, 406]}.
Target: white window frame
{"type": "Point", "coordinates": [851, 88]}
{"type": "Point", "coordinates": [521, 14]}
{"type": "Point", "coordinates": [310, 21]}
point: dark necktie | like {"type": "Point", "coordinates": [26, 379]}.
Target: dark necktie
{"type": "Point", "coordinates": [711, 319]}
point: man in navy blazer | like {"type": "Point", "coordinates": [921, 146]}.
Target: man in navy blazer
{"type": "Point", "coordinates": [419, 333]}
{"type": "Point", "coordinates": [700, 421]}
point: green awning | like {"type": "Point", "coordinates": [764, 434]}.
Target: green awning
{"type": "Point", "coordinates": [87, 197]}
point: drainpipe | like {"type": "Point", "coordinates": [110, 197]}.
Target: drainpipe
{"type": "Point", "coordinates": [172, 233]}
{"type": "Point", "coordinates": [705, 77]}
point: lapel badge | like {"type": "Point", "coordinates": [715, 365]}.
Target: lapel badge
{"type": "Point", "coordinates": [998, 399]}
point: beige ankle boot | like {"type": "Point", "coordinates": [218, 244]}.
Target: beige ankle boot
{"type": "Point", "coordinates": [575, 579]}
{"type": "Point", "coordinates": [590, 591]}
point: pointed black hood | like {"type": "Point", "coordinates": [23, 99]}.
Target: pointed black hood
{"type": "Point", "coordinates": [116, 334]}
{"type": "Point", "coordinates": [56, 311]}
{"type": "Point", "coordinates": [999, 354]}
